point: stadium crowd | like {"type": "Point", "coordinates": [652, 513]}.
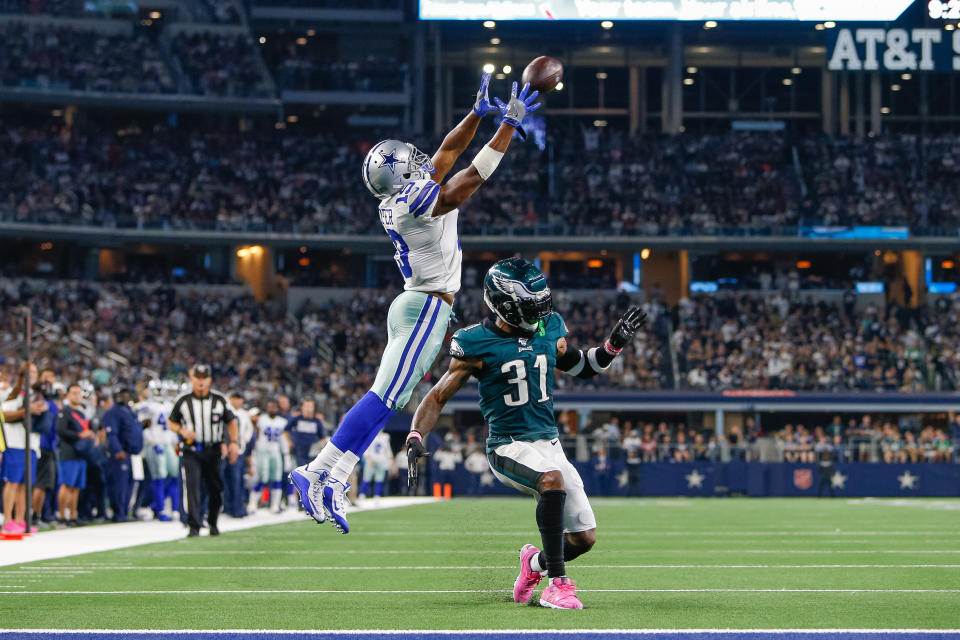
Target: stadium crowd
{"type": "Point", "coordinates": [221, 64]}
{"type": "Point", "coordinates": [296, 181]}
{"type": "Point", "coordinates": [81, 60]}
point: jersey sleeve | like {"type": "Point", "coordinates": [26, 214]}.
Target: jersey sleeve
{"type": "Point", "coordinates": [555, 327]}
{"type": "Point", "coordinates": [416, 201]}
{"type": "Point", "coordinates": [464, 344]}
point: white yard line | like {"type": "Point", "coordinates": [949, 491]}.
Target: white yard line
{"type": "Point", "coordinates": [64, 543]}
{"type": "Point", "coordinates": [428, 591]}
{"type": "Point", "coordinates": [60, 569]}
{"type": "Point", "coordinates": [540, 633]}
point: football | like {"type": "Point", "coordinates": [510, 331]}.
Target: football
{"type": "Point", "coordinates": [543, 74]}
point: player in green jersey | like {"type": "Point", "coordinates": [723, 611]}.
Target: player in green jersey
{"type": "Point", "coordinates": [513, 358]}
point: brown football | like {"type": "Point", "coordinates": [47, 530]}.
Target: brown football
{"type": "Point", "coordinates": [543, 74]}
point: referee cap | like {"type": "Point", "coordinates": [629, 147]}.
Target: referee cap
{"type": "Point", "coordinates": [201, 370]}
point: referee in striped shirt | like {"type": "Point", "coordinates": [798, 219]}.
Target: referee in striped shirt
{"type": "Point", "coordinates": [207, 429]}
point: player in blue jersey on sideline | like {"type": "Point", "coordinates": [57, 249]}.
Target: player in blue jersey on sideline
{"type": "Point", "coordinates": [420, 216]}
{"type": "Point", "coordinates": [513, 358]}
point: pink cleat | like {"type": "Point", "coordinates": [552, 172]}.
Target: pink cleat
{"type": "Point", "coordinates": [561, 593]}
{"type": "Point", "coordinates": [528, 579]}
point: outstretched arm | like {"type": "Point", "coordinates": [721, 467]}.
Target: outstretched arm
{"type": "Point", "coordinates": [465, 182]}
{"type": "Point", "coordinates": [596, 360]}
{"type": "Point", "coordinates": [429, 410]}
{"type": "Point", "coordinates": [460, 137]}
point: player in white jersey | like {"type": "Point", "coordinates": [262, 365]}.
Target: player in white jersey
{"type": "Point", "coordinates": [419, 213]}
{"type": "Point", "coordinates": [268, 454]}
{"type": "Point", "coordinates": [158, 450]}
{"type": "Point", "coordinates": [377, 460]}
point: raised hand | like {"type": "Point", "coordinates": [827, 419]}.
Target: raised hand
{"type": "Point", "coordinates": [415, 451]}
{"type": "Point", "coordinates": [626, 328]}
{"type": "Point", "coordinates": [519, 105]}
{"type": "Point", "coordinates": [482, 106]}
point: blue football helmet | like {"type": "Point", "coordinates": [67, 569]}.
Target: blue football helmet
{"type": "Point", "coordinates": [391, 164]}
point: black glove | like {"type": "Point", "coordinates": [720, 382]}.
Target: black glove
{"type": "Point", "coordinates": [631, 322]}
{"type": "Point", "coordinates": [415, 451]}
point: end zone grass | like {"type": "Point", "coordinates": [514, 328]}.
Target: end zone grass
{"type": "Point", "coordinates": [677, 563]}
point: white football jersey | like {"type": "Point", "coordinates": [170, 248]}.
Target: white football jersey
{"type": "Point", "coordinates": [271, 432]}
{"type": "Point", "coordinates": [157, 415]}
{"type": "Point", "coordinates": [428, 249]}
{"type": "Point", "coordinates": [379, 450]}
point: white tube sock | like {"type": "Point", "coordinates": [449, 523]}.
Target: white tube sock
{"type": "Point", "coordinates": [344, 467]}
{"type": "Point", "coordinates": [326, 459]}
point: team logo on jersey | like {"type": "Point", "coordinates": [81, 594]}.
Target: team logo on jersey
{"type": "Point", "coordinates": [522, 341]}
{"type": "Point", "coordinates": [455, 349]}
{"type": "Point", "coordinates": [802, 479]}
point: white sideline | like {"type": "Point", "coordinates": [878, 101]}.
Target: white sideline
{"type": "Point", "coordinates": [539, 633]}
{"type": "Point", "coordinates": [157, 592]}
{"type": "Point", "coordinates": [63, 543]}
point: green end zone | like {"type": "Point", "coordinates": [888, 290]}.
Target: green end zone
{"type": "Point", "coordinates": [666, 564]}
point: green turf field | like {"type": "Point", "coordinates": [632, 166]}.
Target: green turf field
{"type": "Point", "coordinates": [674, 563]}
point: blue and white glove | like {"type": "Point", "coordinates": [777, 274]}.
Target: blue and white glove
{"type": "Point", "coordinates": [519, 106]}
{"type": "Point", "coordinates": [483, 106]}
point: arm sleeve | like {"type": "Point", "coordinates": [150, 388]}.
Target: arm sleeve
{"type": "Point", "coordinates": [112, 425]}
{"type": "Point", "coordinates": [176, 414]}
{"type": "Point", "coordinates": [228, 417]}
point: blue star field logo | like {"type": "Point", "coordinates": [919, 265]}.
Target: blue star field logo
{"type": "Point", "coordinates": [389, 160]}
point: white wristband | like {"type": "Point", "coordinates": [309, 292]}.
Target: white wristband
{"type": "Point", "coordinates": [486, 161]}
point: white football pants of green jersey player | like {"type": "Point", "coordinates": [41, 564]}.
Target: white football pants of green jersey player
{"type": "Point", "coordinates": [162, 465]}
{"type": "Point", "coordinates": [519, 464]}
{"type": "Point", "coordinates": [416, 325]}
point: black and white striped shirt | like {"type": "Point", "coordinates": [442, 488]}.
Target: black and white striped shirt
{"type": "Point", "coordinates": [208, 416]}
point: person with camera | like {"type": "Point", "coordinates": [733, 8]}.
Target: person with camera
{"type": "Point", "coordinates": [13, 468]}
{"type": "Point", "coordinates": [207, 428]}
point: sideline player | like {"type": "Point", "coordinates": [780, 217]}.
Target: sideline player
{"type": "Point", "coordinates": [420, 216]}
{"type": "Point", "coordinates": [513, 359]}
{"type": "Point", "coordinates": [268, 450]}
{"type": "Point", "coordinates": [158, 448]}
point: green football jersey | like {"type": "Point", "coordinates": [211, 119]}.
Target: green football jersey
{"type": "Point", "coordinates": [516, 380]}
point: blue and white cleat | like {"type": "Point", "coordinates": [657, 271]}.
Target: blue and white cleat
{"type": "Point", "coordinates": [309, 486]}
{"type": "Point", "coordinates": [334, 503]}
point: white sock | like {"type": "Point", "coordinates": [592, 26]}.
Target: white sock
{"type": "Point", "coordinates": [254, 500]}
{"type": "Point", "coordinates": [274, 499]}
{"type": "Point", "coordinates": [535, 564]}
{"type": "Point", "coordinates": [344, 467]}
{"type": "Point", "coordinates": [326, 459]}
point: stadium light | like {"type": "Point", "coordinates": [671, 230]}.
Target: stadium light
{"type": "Point", "coordinates": [601, 75]}
{"type": "Point", "coordinates": [606, 24]}
{"type": "Point", "coordinates": [559, 86]}
{"type": "Point", "coordinates": [301, 41]}
{"type": "Point", "coordinates": [599, 123]}
{"type": "Point", "coordinates": [796, 71]}
{"type": "Point", "coordinates": [948, 27]}
{"type": "Point", "coordinates": [819, 27]}
{"type": "Point", "coordinates": [906, 76]}
{"type": "Point", "coordinates": [829, 24]}
{"type": "Point", "coordinates": [494, 41]}
{"type": "Point", "coordinates": [688, 81]}
{"type": "Point", "coordinates": [884, 110]}
{"type": "Point", "coordinates": [291, 118]}
{"type": "Point", "coordinates": [691, 70]}
{"type": "Point", "coordinates": [507, 68]}
{"type": "Point", "coordinates": [787, 82]}
{"type": "Point", "coordinates": [155, 15]}
{"type": "Point", "coordinates": [489, 24]}
{"type": "Point", "coordinates": [488, 68]}
{"type": "Point", "coordinates": [710, 24]}
{"type": "Point", "coordinates": [895, 87]}
{"type": "Point", "coordinates": [948, 264]}
{"type": "Point", "coordinates": [263, 40]}
{"type": "Point", "coordinates": [311, 32]}
{"type": "Point", "coordinates": [644, 254]}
